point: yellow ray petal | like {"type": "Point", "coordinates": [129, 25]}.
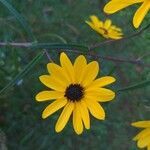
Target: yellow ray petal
{"type": "Point", "coordinates": [67, 66]}
{"type": "Point", "coordinates": [115, 36]}
{"type": "Point", "coordinates": [53, 107]}
{"type": "Point", "coordinates": [141, 124]}
{"type": "Point", "coordinates": [48, 95]}
{"type": "Point", "coordinates": [64, 117]}
{"type": "Point", "coordinates": [114, 32]}
{"type": "Point", "coordinates": [101, 82]}
{"type": "Point", "coordinates": [142, 134]}
{"type": "Point", "coordinates": [52, 83]}
{"type": "Point", "coordinates": [148, 147]}
{"type": "Point", "coordinates": [92, 26]}
{"type": "Point", "coordinates": [58, 72]}
{"type": "Point", "coordinates": [102, 32]}
{"type": "Point", "coordinates": [100, 94]}
{"type": "Point", "coordinates": [113, 27]}
{"type": "Point", "coordinates": [144, 141]}
{"type": "Point", "coordinates": [116, 5]}
{"type": "Point", "coordinates": [107, 24]}
{"type": "Point", "coordinates": [96, 22]}
{"type": "Point", "coordinates": [79, 65]}
{"type": "Point", "coordinates": [77, 121]}
{"type": "Point", "coordinates": [84, 113]}
{"type": "Point", "coordinates": [90, 73]}
{"type": "Point", "coordinates": [95, 109]}
{"type": "Point", "coordinates": [140, 13]}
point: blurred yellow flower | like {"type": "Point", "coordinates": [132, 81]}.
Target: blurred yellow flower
{"type": "Point", "coordinates": [74, 87]}
{"type": "Point", "coordinates": [116, 5]}
{"type": "Point", "coordinates": [143, 138]}
{"type": "Point", "coordinates": [106, 29]}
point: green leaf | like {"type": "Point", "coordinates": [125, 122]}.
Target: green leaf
{"type": "Point", "coordinates": [59, 37]}
{"type": "Point", "coordinates": [58, 46]}
{"type": "Point", "coordinates": [136, 86]}
{"type": "Point", "coordinates": [28, 67]}
{"type": "Point", "coordinates": [27, 136]}
{"type": "Point", "coordinates": [20, 18]}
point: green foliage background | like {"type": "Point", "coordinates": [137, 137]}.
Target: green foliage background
{"type": "Point", "coordinates": [56, 21]}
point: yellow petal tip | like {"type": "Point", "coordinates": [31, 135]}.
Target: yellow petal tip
{"type": "Point", "coordinates": [41, 77]}
{"type": "Point", "coordinates": [62, 54]}
{"type": "Point", "coordinates": [134, 139]}
{"type": "Point", "coordinates": [57, 131]}
{"type": "Point", "coordinates": [78, 132]}
{"type": "Point", "coordinates": [133, 124]}
{"type": "Point", "coordinates": [44, 116]}
{"type": "Point", "coordinates": [106, 10]}
{"type": "Point", "coordinates": [36, 98]}
{"type": "Point", "coordinates": [103, 118]}
{"type": "Point", "coordinates": [113, 79]}
{"type": "Point", "coordinates": [87, 128]}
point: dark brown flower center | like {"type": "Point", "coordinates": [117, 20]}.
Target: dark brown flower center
{"type": "Point", "coordinates": [74, 92]}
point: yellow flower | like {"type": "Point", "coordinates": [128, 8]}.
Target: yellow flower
{"type": "Point", "coordinates": [74, 87]}
{"type": "Point", "coordinates": [106, 29]}
{"type": "Point", "coordinates": [116, 5]}
{"type": "Point", "coordinates": [143, 138]}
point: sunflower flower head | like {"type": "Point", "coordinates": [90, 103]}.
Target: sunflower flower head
{"type": "Point", "coordinates": [143, 138]}
{"type": "Point", "coordinates": [106, 29]}
{"type": "Point", "coordinates": [116, 5]}
{"type": "Point", "coordinates": [74, 88]}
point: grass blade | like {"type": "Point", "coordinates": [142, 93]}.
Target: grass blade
{"type": "Point", "coordinates": [20, 18]}
{"type": "Point", "coordinates": [28, 67]}
{"type": "Point", "coordinates": [136, 86]}
{"type": "Point", "coordinates": [58, 46]}
{"type": "Point", "coordinates": [58, 37]}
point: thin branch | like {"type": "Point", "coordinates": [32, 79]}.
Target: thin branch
{"type": "Point", "coordinates": [22, 45]}
{"type": "Point", "coordinates": [48, 56]}
{"type": "Point", "coordinates": [35, 45]}
{"type": "Point", "coordinates": [114, 59]}
{"type": "Point", "coordinates": [144, 55]}
{"type": "Point", "coordinates": [124, 38]}
{"type": "Point", "coordinates": [74, 49]}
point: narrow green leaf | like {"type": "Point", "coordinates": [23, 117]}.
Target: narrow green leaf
{"type": "Point", "coordinates": [28, 67]}
{"type": "Point", "coordinates": [20, 18]}
{"type": "Point", "coordinates": [136, 86]}
{"type": "Point", "coordinates": [59, 37]}
{"type": "Point", "coordinates": [27, 136]}
{"type": "Point", "coordinates": [58, 46]}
